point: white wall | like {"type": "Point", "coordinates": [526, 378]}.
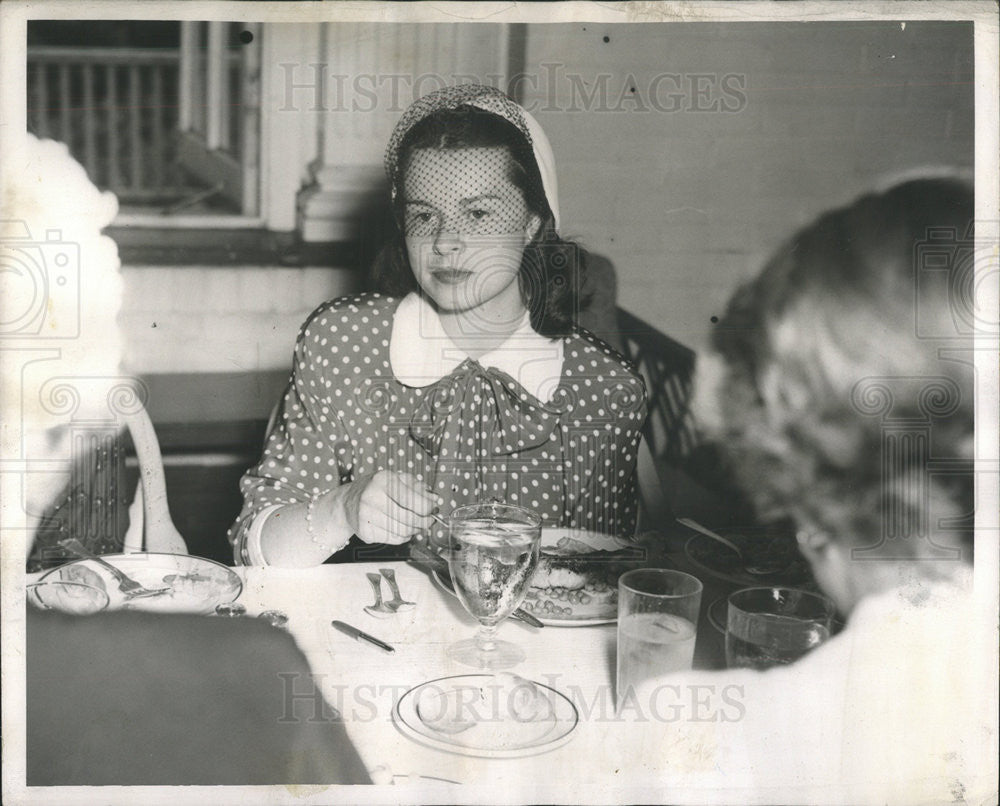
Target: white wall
{"type": "Point", "coordinates": [179, 319]}
{"type": "Point", "coordinates": [685, 203]}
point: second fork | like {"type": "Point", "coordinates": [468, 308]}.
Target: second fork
{"type": "Point", "coordinates": [128, 586]}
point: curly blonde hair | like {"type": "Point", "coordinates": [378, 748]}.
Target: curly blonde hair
{"type": "Point", "coordinates": [836, 396]}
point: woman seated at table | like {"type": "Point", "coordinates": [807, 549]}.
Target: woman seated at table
{"type": "Point", "coordinates": [844, 349]}
{"type": "Point", "coordinates": [469, 381]}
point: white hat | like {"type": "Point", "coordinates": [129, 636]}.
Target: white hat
{"type": "Point", "coordinates": [490, 100]}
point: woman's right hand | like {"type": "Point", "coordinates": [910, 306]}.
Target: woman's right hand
{"type": "Point", "coordinates": [388, 507]}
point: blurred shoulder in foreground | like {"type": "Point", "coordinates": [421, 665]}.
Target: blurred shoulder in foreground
{"type": "Point", "coordinates": [133, 699]}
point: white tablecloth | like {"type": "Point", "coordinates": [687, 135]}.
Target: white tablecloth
{"type": "Point", "coordinates": [364, 682]}
{"type": "Point", "coordinates": [669, 757]}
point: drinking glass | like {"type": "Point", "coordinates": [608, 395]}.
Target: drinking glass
{"type": "Point", "coordinates": [657, 624]}
{"type": "Point", "coordinates": [492, 555]}
{"type": "Point", "coordinates": [768, 627]}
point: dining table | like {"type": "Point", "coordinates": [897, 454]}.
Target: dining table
{"type": "Point", "coordinates": [364, 683]}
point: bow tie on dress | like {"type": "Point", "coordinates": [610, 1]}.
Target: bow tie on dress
{"type": "Point", "coordinates": [481, 411]}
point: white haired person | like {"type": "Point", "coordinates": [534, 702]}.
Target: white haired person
{"type": "Point", "coordinates": [467, 380]}
{"type": "Point", "coordinates": [61, 293]}
{"type": "Point", "coordinates": [846, 402]}
{"type": "Point", "coordinates": [124, 698]}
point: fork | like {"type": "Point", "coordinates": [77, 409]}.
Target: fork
{"type": "Point", "coordinates": [379, 609]}
{"type": "Point", "coordinates": [127, 585]}
{"type": "Point", "coordinates": [397, 602]}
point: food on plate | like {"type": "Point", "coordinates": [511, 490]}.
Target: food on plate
{"type": "Point", "coordinates": [568, 546]}
{"type": "Point", "coordinates": [78, 572]}
{"type": "Point", "coordinates": [573, 581]}
{"type": "Point", "coordinates": [195, 583]}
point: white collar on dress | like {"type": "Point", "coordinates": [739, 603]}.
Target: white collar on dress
{"type": "Point", "coordinates": [421, 353]}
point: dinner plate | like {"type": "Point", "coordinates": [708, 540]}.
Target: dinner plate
{"type": "Point", "coordinates": [196, 585]}
{"type": "Point", "coordinates": [555, 540]}
{"type": "Point", "coordinates": [545, 603]}
{"type": "Point", "coordinates": [710, 557]}
{"type": "Point", "coordinates": [484, 715]}
{"type": "Point", "coordinates": [567, 542]}
{"type": "Point", "coordinates": [549, 621]}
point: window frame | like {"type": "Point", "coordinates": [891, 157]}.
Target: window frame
{"type": "Point", "coordinates": [207, 153]}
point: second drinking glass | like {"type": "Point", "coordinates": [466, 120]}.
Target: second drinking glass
{"type": "Point", "coordinates": [657, 625]}
{"type": "Point", "coordinates": [768, 627]}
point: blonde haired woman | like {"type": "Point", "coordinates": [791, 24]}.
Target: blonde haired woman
{"type": "Point", "coordinates": [846, 402]}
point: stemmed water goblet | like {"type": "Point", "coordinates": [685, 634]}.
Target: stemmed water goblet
{"type": "Point", "coordinates": [492, 555]}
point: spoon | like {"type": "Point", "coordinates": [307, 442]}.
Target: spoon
{"type": "Point", "coordinates": [761, 569]}
{"type": "Point", "coordinates": [379, 609]}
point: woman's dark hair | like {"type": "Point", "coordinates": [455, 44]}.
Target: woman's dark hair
{"type": "Point", "coordinates": [836, 344]}
{"type": "Point", "coordinates": [552, 269]}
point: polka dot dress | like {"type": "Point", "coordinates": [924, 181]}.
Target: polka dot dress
{"type": "Point", "coordinates": [473, 436]}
